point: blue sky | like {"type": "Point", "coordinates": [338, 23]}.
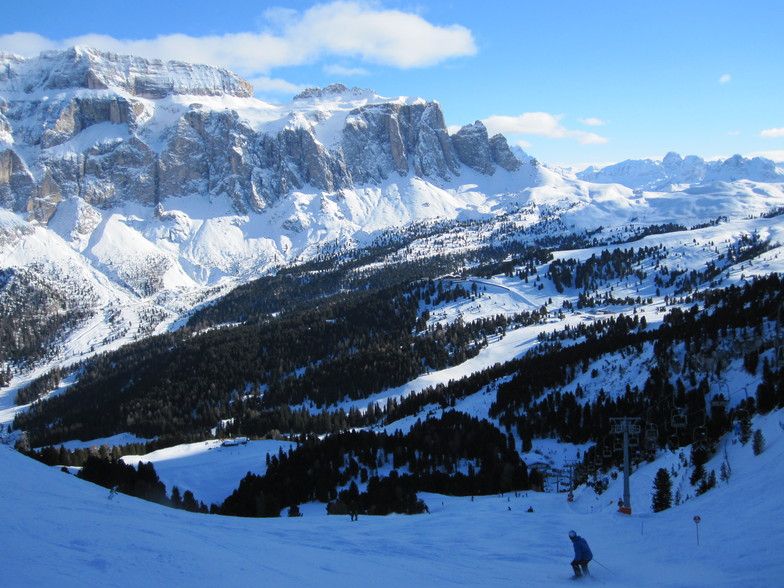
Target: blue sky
{"type": "Point", "coordinates": [572, 81]}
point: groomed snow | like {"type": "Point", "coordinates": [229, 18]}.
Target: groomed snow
{"type": "Point", "coordinates": [60, 531]}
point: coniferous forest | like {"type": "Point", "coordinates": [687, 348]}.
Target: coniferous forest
{"type": "Point", "coordinates": [277, 357]}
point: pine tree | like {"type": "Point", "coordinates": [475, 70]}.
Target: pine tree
{"type": "Point", "coordinates": [758, 442]}
{"type": "Point", "coordinates": [662, 496]}
{"type": "Point", "coordinates": [176, 500]}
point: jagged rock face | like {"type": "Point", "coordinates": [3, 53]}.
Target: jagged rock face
{"type": "Point", "coordinates": [502, 153]}
{"type": "Point", "coordinates": [472, 145]}
{"type": "Point", "coordinates": [17, 185]}
{"type": "Point", "coordinates": [104, 128]}
{"type": "Point", "coordinates": [383, 139]}
{"type": "Point", "coordinates": [79, 67]}
{"type": "Point", "coordinates": [81, 113]}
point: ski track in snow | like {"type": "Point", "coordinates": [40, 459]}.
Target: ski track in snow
{"type": "Point", "coordinates": [60, 531]}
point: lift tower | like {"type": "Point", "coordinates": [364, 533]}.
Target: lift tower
{"type": "Point", "coordinates": [626, 426]}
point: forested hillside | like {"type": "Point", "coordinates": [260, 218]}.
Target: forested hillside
{"type": "Point", "coordinates": [313, 350]}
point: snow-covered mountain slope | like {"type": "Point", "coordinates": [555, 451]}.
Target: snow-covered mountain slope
{"type": "Point", "coordinates": [675, 172]}
{"type": "Point", "coordinates": [60, 531]}
{"type": "Point", "coordinates": [149, 188]}
{"type": "Point", "coordinates": [107, 129]}
{"type": "Point", "coordinates": [160, 179]}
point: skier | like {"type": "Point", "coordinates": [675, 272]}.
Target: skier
{"type": "Point", "coordinates": [582, 555]}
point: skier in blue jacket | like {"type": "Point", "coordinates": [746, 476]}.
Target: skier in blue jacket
{"type": "Point", "coordinates": [582, 555]}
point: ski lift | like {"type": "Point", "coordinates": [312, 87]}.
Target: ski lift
{"type": "Point", "coordinates": [617, 444]}
{"type": "Point", "coordinates": [673, 442]}
{"type": "Point", "coordinates": [679, 418]}
{"type": "Point", "coordinates": [740, 415]}
{"type": "Point", "coordinates": [651, 433]}
{"type": "Point", "coordinates": [720, 400]}
{"type": "Point", "coordinates": [700, 436]}
{"type": "Point", "coordinates": [651, 436]}
{"type": "Point", "coordinates": [607, 451]}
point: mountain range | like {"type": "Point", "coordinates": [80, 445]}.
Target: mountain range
{"type": "Point", "coordinates": [166, 175]}
{"type": "Point", "coordinates": [674, 172]}
{"type": "Point", "coordinates": [181, 262]}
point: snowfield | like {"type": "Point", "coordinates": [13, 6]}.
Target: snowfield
{"type": "Point", "coordinates": [60, 531]}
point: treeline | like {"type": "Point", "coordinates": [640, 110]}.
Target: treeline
{"type": "Point", "coordinates": [40, 386]}
{"type": "Point", "coordinates": [34, 313]}
{"type": "Point", "coordinates": [105, 468]}
{"type": "Point", "coordinates": [52, 455]}
{"type": "Point", "coordinates": [455, 454]}
{"type": "Point", "coordinates": [674, 405]}
{"type": "Point", "coordinates": [186, 383]}
{"type": "Point", "coordinates": [608, 266]}
{"type": "Point", "coordinates": [305, 286]}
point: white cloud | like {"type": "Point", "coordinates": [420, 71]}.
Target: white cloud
{"type": "Point", "coordinates": [265, 85]}
{"type": "Point", "coordinates": [352, 28]}
{"type": "Point", "coordinates": [339, 70]}
{"type": "Point", "coordinates": [774, 155]}
{"type": "Point", "coordinates": [26, 44]}
{"type": "Point", "coordinates": [592, 121]}
{"type": "Point", "coordinates": [773, 133]}
{"type": "Point", "coordinates": [725, 79]}
{"type": "Point", "coordinates": [539, 123]}
{"type": "Point", "coordinates": [733, 133]}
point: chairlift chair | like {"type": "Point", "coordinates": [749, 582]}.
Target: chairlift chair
{"type": "Point", "coordinates": [679, 418]}
{"type": "Point", "coordinates": [740, 414]}
{"type": "Point", "coordinates": [651, 433]}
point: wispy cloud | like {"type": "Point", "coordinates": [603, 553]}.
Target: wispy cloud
{"type": "Point", "coordinates": [267, 85]}
{"type": "Point", "coordinates": [773, 133]}
{"type": "Point", "coordinates": [592, 121]}
{"type": "Point", "coordinates": [725, 79]}
{"type": "Point", "coordinates": [775, 155]}
{"type": "Point", "coordinates": [339, 70]}
{"type": "Point", "coordinates": [350, 29]}
{"type": "Point", "coordinates": [539, 123]}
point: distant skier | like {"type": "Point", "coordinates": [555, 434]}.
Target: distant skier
{"type": "Point", "coordinates": [582, 555]}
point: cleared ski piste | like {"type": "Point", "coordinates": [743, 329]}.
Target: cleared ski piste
{"type": "Point", "coordinates": [60, 531]}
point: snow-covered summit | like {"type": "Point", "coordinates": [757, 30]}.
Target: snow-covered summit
{"type": "Point", "coordinates": [334, 90]}
{"type": "Point", "coordinates": [112, 128]}
{"type": "Point", "coordinates": [674, 171]}
{"type": "Point", "coordinates": [85, 67]}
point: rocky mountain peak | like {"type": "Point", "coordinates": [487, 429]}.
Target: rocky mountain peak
{"type": "Point", "coordinates": [100, 127]}
{"type": "Point", "coordinates": [333, 90]}
{"type": "Point", "coordinates": [676, 171]}
{"type": "Point", "coordinates": [84, 67]}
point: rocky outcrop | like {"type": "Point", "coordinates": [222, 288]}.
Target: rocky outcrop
{"type": "Point", "coordinates": [392, 138]}
{"type": "Point", "coordinates": [17, 185]}
{"type": "Point", "coordinates": [82, 67]}
{"type": "Point", "coordinates": [148, 150]}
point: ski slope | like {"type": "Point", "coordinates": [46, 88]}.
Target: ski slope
{"type": "Point", "coordinates": [61, 531]}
